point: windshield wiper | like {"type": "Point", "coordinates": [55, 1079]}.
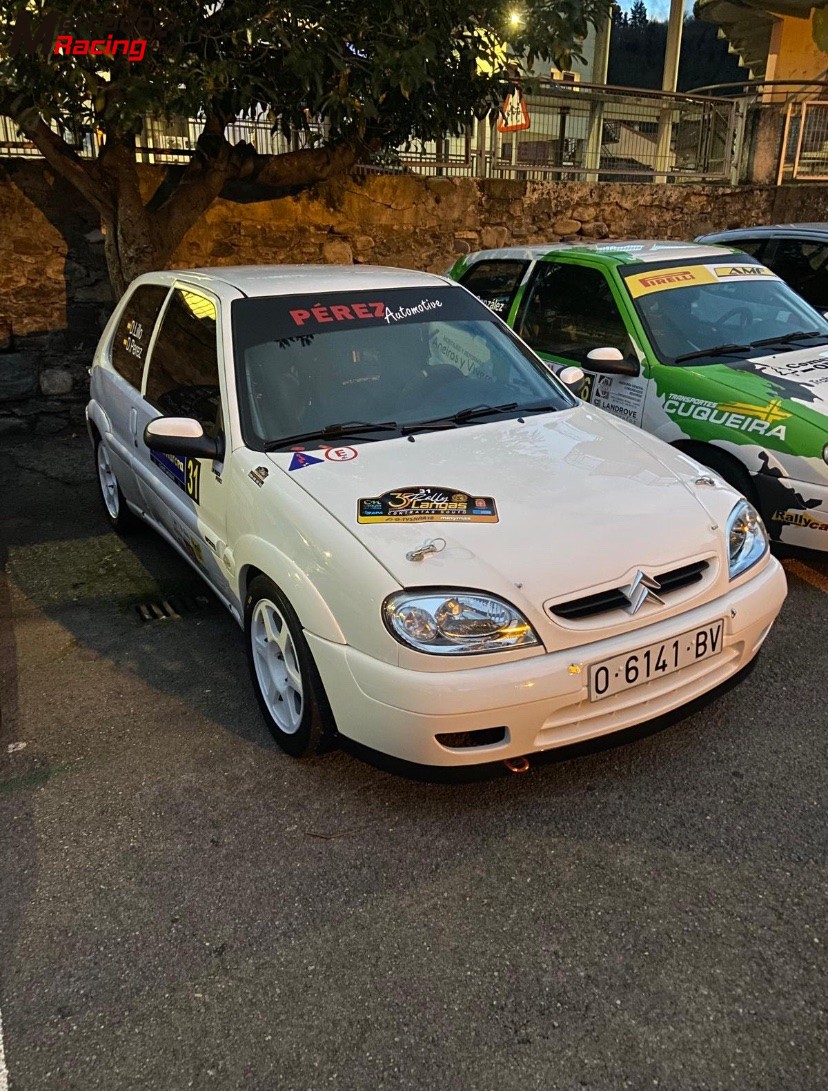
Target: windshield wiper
{"type": "Point", "coordinates": [717, 350]}
{"type": "Point", "coordinates": [783, 339]}
{"type": "Point", "coordinates": [334, 431]}
{"type": "Point", "coordinates": [460, 417]}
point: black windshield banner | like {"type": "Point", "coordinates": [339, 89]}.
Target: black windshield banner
{"type": "Point", "coordinates": [271, 318]}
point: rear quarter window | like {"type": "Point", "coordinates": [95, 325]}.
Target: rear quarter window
{"type": "Point", "coordinates": [134, 330]}
{"type": "Point", "coordinates": [495, 283]}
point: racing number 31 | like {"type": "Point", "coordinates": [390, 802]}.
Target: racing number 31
{"type": "Point", "coordinates": [192, 478]}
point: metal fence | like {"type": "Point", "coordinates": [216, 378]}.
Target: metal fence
{"type": "Point", "coordinates": [582, 131]}
{"type": "Point", "coordinates": [782, 129]}
{"type": "Point", "coordinates": [805, 143]}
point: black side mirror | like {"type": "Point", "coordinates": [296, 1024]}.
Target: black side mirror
{"type": "Point", "coordinates": [182, 436]}
{"type": "Point", "coordinates": [609, 361]}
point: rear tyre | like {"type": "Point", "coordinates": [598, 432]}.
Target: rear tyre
{"type": "Point", "coordinates": [118, 515]}
{"type": "Point", "coordinates": [285, 679]}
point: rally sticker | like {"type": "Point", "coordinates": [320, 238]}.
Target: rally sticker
{"type": "Point", "coordinates": [300, 460]}
{"type": "Point", "coordinates": [426, 504]}
{"type": "Point", "coordinates": [724, 272]}
{"type": "Point", "coordinates": [132, 341]}
{"type": "Point", "coordinates": [340, 454]}
{"type": "Point", "coordinates": [680, 276]}
{"type": "Point", "coordinates": [744, 417]}
{"type": "Point", "coordinates": [799, 519]}
{"type": "Point", "coordinates": [183, 472]}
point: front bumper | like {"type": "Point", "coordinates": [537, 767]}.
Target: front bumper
{"type": "Point", "coordinates": [538, 700]}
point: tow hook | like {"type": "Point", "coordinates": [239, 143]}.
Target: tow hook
{"type": "Point", "coordinates": [517, 765]}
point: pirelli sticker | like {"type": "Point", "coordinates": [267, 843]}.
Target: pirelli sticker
{"type": "Point", "coordinates": [426, 504]}
{"type": "Point", "coordinates": [682, 276]}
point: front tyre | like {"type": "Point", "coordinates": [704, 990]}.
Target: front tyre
{"type": "Point", "coordinates": [118, 514]}
{"type": "Point", "coordinates": [287, 683]}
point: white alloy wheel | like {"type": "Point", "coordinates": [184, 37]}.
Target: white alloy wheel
{"type": "Point", "coordinates": [108, 482]}
{"type": "Point", "coordinates": [277, 666]}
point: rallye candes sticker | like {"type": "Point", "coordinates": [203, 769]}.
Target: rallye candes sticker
{"type": "Point", "coordinates": [426, 504]}
{"type": "Point", "coordinates": [681, 276]}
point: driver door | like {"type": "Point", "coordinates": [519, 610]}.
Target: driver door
{"type": "Point", "coordinates": [186, 496]}
{"type": "Point", "coordinates": [571, 309]}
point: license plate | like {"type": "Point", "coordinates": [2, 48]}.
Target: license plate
{"type": "Point", "coordinates": [655, 660]}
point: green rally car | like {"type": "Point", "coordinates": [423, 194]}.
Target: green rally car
{"type": "Point", "coordinates": [701, 345]}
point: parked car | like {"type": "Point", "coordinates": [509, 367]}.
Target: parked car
{"type": "Point", "coordinates": [431, 545]}
{"type": "Point", "coordinates": [700, 345]}
{"type": "Point", "coordinates": [796, 252]}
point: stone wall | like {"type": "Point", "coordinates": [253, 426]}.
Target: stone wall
{"type": "Point", "coordinates": [55, 296]}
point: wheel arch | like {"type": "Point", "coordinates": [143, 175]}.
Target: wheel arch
{"type": "Point", "coordinates": [720, 459]}
{"type": "Point", "coordinates": [255, 557]}
{"type": "Point", "coordinates": [97, 420]}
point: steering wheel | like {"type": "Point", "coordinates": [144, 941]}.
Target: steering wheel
{"type": "Point", "coordinates": [745, 314]}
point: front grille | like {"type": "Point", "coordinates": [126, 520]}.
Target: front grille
{"type": "Point", "coordinates": [615, 599]}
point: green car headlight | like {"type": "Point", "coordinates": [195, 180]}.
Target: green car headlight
{"type": "Point", "coordinates": [456, 622]}
{"type": "Point", "coordinates": [747, 539]}
{"type": "Point", "coordinates": [825, 453]}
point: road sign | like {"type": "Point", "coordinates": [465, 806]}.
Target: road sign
{"type": "Point", "coordinates": [513, 116]}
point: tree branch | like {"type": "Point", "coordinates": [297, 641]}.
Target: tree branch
{"type": "Point", "coordinates": [65, 161]}
{"type": "Point", "coordinates": [302, 168]}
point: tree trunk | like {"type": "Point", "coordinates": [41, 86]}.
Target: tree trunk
{"type": "Point", "coordinates": [134, 242]}
{"type": "Point", "coordinates": [142, 236]}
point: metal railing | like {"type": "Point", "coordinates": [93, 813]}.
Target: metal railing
{"type": "Point", "coordinates": [786, 128]}
{"type": "Point", "coordinates": [589, 132]}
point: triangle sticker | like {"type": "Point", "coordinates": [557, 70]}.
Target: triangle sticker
{"type": "Point", "coordinates": [300, 460]}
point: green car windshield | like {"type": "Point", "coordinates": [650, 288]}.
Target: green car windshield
{"type": "Point", "coordinates": [691, 310]}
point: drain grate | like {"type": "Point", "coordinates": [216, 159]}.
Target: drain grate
{"type": "Point", "coordinates": [172, 608]}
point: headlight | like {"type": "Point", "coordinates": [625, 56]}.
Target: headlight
{"type": "Point", "coordinates": [747, 539]}
{"type": "Point", "coordinates": [456, 622]}
{"type": "Point", "coordinates": [825, 453]}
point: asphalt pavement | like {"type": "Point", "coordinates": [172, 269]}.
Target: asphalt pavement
{"type": "Point", "coordinates": [183, 906]}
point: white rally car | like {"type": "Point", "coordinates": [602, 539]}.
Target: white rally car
{"type": "Point", "coordinates": [433, 547]}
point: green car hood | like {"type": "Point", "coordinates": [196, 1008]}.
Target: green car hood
{"type": "Point", "coordinates": [779, 401]}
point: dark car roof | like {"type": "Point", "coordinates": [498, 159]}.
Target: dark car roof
{"type": "Point", "coordinates": [790, 231]}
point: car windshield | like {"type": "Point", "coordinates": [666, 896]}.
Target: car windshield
{"type": "Point", "coordinates": [405, 360]}
{"type": "Point", "coordinates": [691, 310]}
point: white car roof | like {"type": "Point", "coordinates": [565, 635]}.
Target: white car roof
{"type": "Point", "coordinates": [267, 280]}
{"type": "Point", "coordinates": [643, 250]}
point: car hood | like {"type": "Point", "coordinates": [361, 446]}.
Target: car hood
{"type": "Point", "coordinates": [579, 500]}
{"type": "Point", "coordinates": [800, 376]}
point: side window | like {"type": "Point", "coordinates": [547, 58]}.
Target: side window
{"type": "Point", "coordinates": [495, 282]}
{"type": "Point", "coordinates": [183, 378]}
{"type": "Point", "coordinates": [755, 247]}
{"type": "Point", "coordinates": [570, 310]}
{"type": "Point", "coordinates": [132, 336]}
{"type": "Point", "coordinates": [802, 264]}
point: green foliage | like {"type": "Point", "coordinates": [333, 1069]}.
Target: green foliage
{"type": "Point", "coordinates": [819, 28]}
{"type": "Point", "coordinates": [386, 68]}
{"type": "Point", "coordinates": [637, 56]}
{"type": "Point", "coordinates": [638, 14]}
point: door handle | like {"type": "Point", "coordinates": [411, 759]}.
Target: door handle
{"type": "Point", "coordinates": [133, 424]}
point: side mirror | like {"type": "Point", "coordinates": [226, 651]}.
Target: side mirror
{"type": "Point", "coordinates": [181, 436]}
{"type": "Point", "coordinates": [610, 361]}
{"type": "Point", "coordinates": [573, 379]}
